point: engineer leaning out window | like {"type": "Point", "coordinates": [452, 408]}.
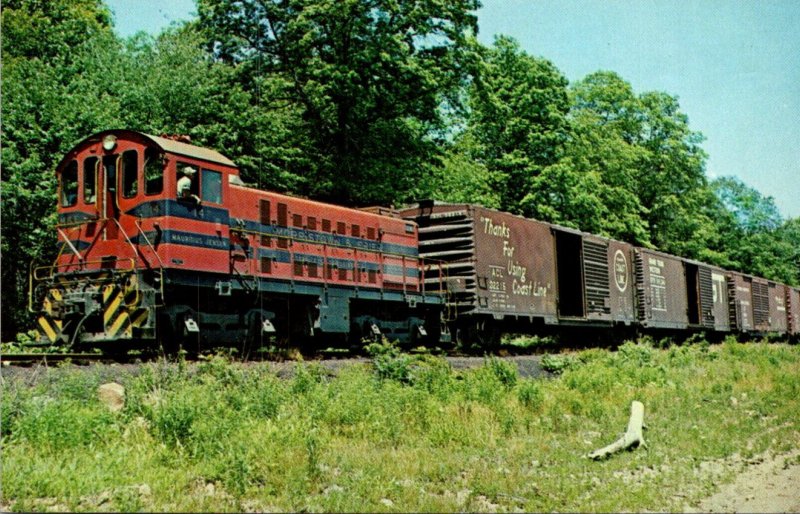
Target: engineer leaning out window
{"type": "Point", "coordinates": [185, 176]}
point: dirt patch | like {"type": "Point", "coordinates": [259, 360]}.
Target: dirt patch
{"type": "Point", "coordinates": [769, 484]}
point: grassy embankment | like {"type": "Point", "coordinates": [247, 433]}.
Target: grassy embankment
{"type": "Point", "coordinates": [407, 434]}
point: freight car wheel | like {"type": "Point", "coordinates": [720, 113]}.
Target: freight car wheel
{"type": "Point", "coordinates": [480, 334]}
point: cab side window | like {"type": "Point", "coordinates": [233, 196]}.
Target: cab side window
{"type": "Point", "coordinates": [130, 174]}
{"type": "Point", "coordinates": [69, 185]}
{"type": "Point", "coordinates": [153, 172]}
{"type": "Point", "coordinates": [211, 182]}
{"type": "Point", "coordinates": [90, 180]}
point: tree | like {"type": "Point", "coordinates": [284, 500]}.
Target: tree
{"type": "Point", "coordinates": [517, 119]}
{"type": "Point", "coordinates": [651, 164]}
{"type": "Point", "coordinates": [367, 77]}
{"type": "Point", "coordinates": [757, 239]}
{"type": "Point", "coordinates": [46, 48]}
{"type": "Point", "coordinates": [600, 159]}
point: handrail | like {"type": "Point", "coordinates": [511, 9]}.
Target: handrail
{"type": "Point", "coordinates": [69, 244]}
{"type": "Point", "coordinates": [147, 240]}
{"type": "Point", "coordinates": [125, 234]}
{"type": "Point", "coordinates": [36, 275]}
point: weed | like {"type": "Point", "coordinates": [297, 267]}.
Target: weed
{"type": "Point", "coordinates": [62, 424]}
{"type": "Point", "coordinates": [173, 419]}
{"type": "Point", "coordinates": [556, 363]}
{"type": "Point", "coordinates": [307, 377]}
{"type": "Point", "coordinates": [506, 372]}
{"type": "Point", "coordinates": [389, 362]}
{"type": "Point", "coordinates": [530, 394]}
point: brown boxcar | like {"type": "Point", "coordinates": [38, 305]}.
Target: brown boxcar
{"type": "Point", "coordinates": [761, 310]}
{"type": "Point", "coordinates": [793, 310]}
{"type": "Point", "coordinates": [507, 267]}
{"type": "Point", "coordinates": [777, 308]}
{"type": "Point", "coordinates": [660, 289]}
{"type": "Point", "coordinates": [707, 296]}
{"type": "Point", "coordinates": [593, 277]}
{"type": "Point", "coordinates": [496, 264]}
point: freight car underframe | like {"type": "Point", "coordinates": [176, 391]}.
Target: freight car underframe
{"type": "Point", "coordinates": [131, 308]}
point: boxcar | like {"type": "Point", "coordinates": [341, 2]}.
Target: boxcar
{"type": "Point", "coordinates": [778, 315]}
{"type": "Point", "coordinates": [662, 299]}
{"type": "Point", "coordinates": [594, 278]}
{"type": "Point", "coordinates": [793, 310]}
{"type": "Point", "coordinates": [509, 272]}
{"type": "Point", "coordinates": [499, 268]}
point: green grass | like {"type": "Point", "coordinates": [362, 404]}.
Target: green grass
{"type": "Point", "coordinates": [405, 434]}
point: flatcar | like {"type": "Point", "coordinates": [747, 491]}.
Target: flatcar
{"type": "Point", "coordinates": [161, 241]}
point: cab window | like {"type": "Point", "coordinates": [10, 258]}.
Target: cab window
{"type": "Point", "coordinates": [90, 180]}
{"type": "Point", "coordinates": [153, 172]}
{"type": "Point", "coordinates": [69, 185]}
{"type": "Point", "coordinates": [211, 183]}
{"type": "Point", "coordinates": [130, 174]}
{"type": "Point", "coordinates": [187, 171]}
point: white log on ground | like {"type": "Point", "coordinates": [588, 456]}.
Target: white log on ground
{"type": "Point", "coordinates": [632, 437]}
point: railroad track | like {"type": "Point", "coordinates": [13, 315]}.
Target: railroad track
{"type": "Point", "coordinates": [20, 359]}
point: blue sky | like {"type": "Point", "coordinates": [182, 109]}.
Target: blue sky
{"type": "Point", "coordinates": [734, 65]}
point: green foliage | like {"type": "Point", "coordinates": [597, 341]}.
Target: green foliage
{"type": "Point", "coordinates": [758, 240]}
{"type": "Point", "coordinates": [389, 361]}
{"type": "Point", "coordinates": [530, 394]}
{"type": "Point", "coordinates": [58, 425]}
{"type": "Point", "coordinates": [205, 437]}
{"type": "Point", "coordinates": [517, 121]}
{"type": "Point", "coordinates": [365, 79]}
{"type": "Point", "coordinates": [506, 372]}
{"type": "Point", "coordinates": [557, 363]}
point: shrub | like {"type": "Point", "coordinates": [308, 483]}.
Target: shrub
{"type": "Point", "coordinates": [173, 419]}
{"type": "Point", "coordinates": [638, 354]}
{"type": "Point", "coordinates": [389, 362]}
{"type": "Point", "coordinates": [506, 372]}
{"type": "Point", "coordinates": [556, 363]}
{"type": "Point", "coordinates": [307, 377]}
{"type": "Point", "coordinates": [530, 394]}
{"type": "Point", "coordinates": [433, 375]}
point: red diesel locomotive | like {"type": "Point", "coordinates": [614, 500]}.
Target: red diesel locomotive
{"type": "Point", "coordinates": [161, 240]}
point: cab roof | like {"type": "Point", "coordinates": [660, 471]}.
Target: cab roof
{"type": "Point", "coordinates": [167, 145]}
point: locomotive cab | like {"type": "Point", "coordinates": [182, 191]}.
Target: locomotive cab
{"type": "Point", "coordinates": [118, 207]}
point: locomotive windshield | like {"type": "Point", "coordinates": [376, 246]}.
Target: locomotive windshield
{"type": "Point", "coordinates": [153, 172]}
{"type": "Point", "coordinates": [90, 180]}
{"type": "Point", "coordinates": [69, 185]}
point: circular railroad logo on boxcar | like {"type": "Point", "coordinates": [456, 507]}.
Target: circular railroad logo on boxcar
{"type": "Point", "coordinates": [620, 271]}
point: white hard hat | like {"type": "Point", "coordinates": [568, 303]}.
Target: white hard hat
{"type": "Point", "coordinates": [188, 170]}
